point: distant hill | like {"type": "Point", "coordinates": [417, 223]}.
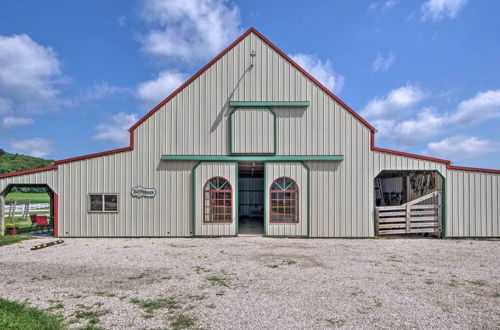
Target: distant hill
{"type": "Point", "coordinates": [14, 162]}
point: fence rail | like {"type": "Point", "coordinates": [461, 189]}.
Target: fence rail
{"type": "Point", "coordinates": [410, 218]}
{"type": "Point", "coordinates": [24, 209]}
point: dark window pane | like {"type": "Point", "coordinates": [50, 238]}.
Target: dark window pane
{"type": "Point", "coordinates": [96, 203]}
{"type": "Point", "coordinates": [111, 203]}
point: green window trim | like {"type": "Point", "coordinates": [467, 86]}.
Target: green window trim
{"type": "Point", "coordinates": [237, 158]}
{"type": "Point", "coordinates": [193, 197]}
{"type": "Point", "coordinates": [286, 104]}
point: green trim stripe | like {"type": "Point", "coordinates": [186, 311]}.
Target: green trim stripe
{"type": "Point", "coordinates": [308, 198]}
{"type": "Point", "coordinates": [269, 104]}
{"type": "Point", "coordinates": [225, 158]}
{"type": "Point", "coordinates": [265, 199]}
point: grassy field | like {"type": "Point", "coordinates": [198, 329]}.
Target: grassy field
{"type": "Point", "coordinates": [7, 240]}
{"type": "Point", "coordinates": [33, 197]}
{"type": "Point", "coordinates": [15, 315]}
{"type": "Point", "coordinates": [25, 224]}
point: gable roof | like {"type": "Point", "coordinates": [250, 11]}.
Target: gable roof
{"type": "Point", "coordinates": [298, 67]}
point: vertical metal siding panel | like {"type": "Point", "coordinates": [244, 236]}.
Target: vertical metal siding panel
{"type": "Point", "coordinates": [495, 199]}
{"type": "Point", "coordinates": [253, 131]}
{"type": "Point", "coordinates": [460, 205]}
{"type": "Point", "coordinates": [488, 206]}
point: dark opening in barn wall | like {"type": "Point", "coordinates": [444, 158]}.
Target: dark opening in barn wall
{"type": "Point", "coordinates": [251, 198]}
{"type": "Point", "coordinates": [400, 187]}
{"type": "Point", "coordinates": [408, 202]}
{"type": "Point", "coordinates": [30, 208]}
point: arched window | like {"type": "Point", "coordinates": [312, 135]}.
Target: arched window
{"type": "Point", "coordinates": [284, 201]}
{"type": "Point", "coordinates": [217, 201]}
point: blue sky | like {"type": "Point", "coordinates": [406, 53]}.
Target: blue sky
{"type": "Point", "coordinates": [75, 74]}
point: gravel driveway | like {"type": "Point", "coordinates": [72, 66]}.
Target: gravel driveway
{"type": "Point", "coordinates": [257, 282]}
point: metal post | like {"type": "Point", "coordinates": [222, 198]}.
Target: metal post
{"type": "Point", "coordinates": [2, 221]}
{"type": "Point", "coordinates": [440, 213]}
{"type": "Point", "coordinates": [408, 208]}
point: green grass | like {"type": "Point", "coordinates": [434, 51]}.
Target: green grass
{"type": "Point", "coordinates": [181, 321]}
{"type": "Point", "coordinates": [15, 315]}
{"type": "Point", "coordinates": [32, 197]}
{"type": "Point", "coordinates": [222, 281]}
{"type": "Point", "coordinates": [150, 305]}
{"type": "Point", "coordinates": [9, 239]}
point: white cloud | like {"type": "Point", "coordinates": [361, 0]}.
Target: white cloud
{"type": "Point", "coordinates": [322, 71]}
{"type": "Point", "coordinates": [392, 105]}
{"type": "Point", "coordinates": [154, 91]}
{"type": "Point", "coordinates": [383, 63]}
{"type": "Point", "coordinates": [189, 30]}
{"type": "Point", "coordinates": [11, 121]}
{"type": "Point", "coordinates": [484, 105]}
{"type": "Point", "coordinates": [28, 72]}
{"type": "Point", "coordinates": [116, 128]}
{"type": "Point", "coordinates": [437, 10]}
{"type": "Point", "coordinates": [460, 146]}
{"type": "Point", "coordinates": [36, 147]}
{"type": "Point", "coordinates": [427, 124]}
{"type": "Point", "coordinates": [379, 8]}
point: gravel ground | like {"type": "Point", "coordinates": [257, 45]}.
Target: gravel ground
{"type": "Point", "coordinates": [257, 282]}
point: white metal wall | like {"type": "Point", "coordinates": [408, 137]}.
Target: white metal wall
{"type": "Point", "coordinates": [473, 204]}
{"type": "Point", "coordinates": [252, 131]}
{"type": "Point", "coordinates": [195, 121]}
{"type": "Point", "coordinates": [297, 172]}
{"type": "Point", "coordinates": [204, 172]}
{"type": "Point", "coordinates": [167, 214]}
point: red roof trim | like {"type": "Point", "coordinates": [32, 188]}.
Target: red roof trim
{"type": "Point", "coordinates": [472, 169]}
{"type": "Point", "coordinates": [196, 75]}
{"type": "Point", "coordinates": [35, 170]}
{"type": "Point", "coordinates": [432, 159]}
{"type": "Point", "coordinates": [215, 59]}
{"type": "Point", "coordinates": [98, 154]}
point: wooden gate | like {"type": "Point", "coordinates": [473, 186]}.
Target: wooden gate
{"type": "Point", "coordinates": [422, 215]}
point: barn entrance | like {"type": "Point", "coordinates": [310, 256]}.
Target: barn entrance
{"type": "Point", "coordinates": [30, 208]}
{"type": "Point", "coordinates": [251, 198]}
{"type": "Point", "coordinates": [409, 202]}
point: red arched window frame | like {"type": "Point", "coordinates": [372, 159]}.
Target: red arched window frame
{"type": "Point", "coordinates": [217, 200]}
{"type": "Point", "coordinates": [284, 201]}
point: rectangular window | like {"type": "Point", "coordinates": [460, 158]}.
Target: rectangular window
{"type": "Point", "coordinates": [103, 202]}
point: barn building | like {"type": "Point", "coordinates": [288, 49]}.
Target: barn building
{"type": "Point", "coordinates": [252, 143]}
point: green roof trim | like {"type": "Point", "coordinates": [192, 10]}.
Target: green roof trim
{"type": "Point", "coordinates": [254, 158]}
{"type": "Point", "coordinates": [240, 104]}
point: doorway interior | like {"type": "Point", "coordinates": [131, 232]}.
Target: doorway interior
{"type": "Point", "coordinates": [31, 208]}
{"type": "Point", "coordinates": [251, 198]}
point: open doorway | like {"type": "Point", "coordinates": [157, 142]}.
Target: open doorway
{"type": "Point", "coordinates": [251, 198]}
{"type": "Point", "coordinates": [409, 202]}
{"type": "Point", "coordinates": [31, 209]}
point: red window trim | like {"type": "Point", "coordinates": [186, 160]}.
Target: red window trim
{"type": "Point", "coordinates": [297, 201]}
{"type": "Point", "coordinates": [230, 191]}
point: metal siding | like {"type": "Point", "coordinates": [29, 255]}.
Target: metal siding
{"type": "Point", "coordinates": [252, 131]}
{"type": "Point", "coordinates": [203, 173]}
{"type": "Point", "coordinates": [297, 172]}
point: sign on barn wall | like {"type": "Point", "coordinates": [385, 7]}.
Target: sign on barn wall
{"type": "Point", "coordinates": [140, 192]}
